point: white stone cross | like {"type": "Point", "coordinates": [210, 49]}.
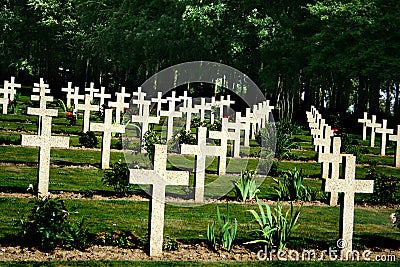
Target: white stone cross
{"type": "Point", "coordinates": [45, 141]}
{"type": "Point", "coordinates": [69, 90]}
{"type": "Point", "coordinates": [234, 135]}
{"type": "Point", "coordinates": [171, 113]}
{"type": "Point", "coordinates": [119, 106]}
{"type": "Point", "coordinates": [145, 119]}
{"type": "Point", "coordinates": [318, 131]}
{"type": "Point", "coordinates": [373, 126]}
{"type": "Point", "coordinates": [102, 95]}
{"type": "Point", "coordinates": [137, 98]}
{"type": "Point", "coordinates": [315, 124]}
{"type": "Point", "coordinates": [87, 107]}
{"type": "Point", "coordinates": [159, 100]}
{"type": "Point", "coordinates": [201, 151]}
{"type": "Point", "coordinates": [384, 131]}
{"type": "Point", "coordinates": [396, 138]}
{"type": "Point", "coordinates": [10, 88]}
{"type": "Point", "coordinates": [158, 179]}
{"type": "Point", "coordinates": [107, 128]}
{"type": "Point", "coordinates": [323, 145]}
{"type": "Point", "coordinates": [334, 159]}
{"type": "Point", "coordinates": [364, 122]}
{"type": "Point", "coordinates": [76, 96]}
{"type": "Point", "coordinates": [349, 186]}
{"type": "Point", "coordinates": [189, 110]}
{"type": "Point", "coordinates": [224, 103]}
{"type": "Point", "coordinates": [185, 98]}
{"type": "Point", "coordinates": [203, 107]}
{"type": "Point", "coordinates": [224, 136]}
{"type": "Point", "coordinates": [212, 105]}
{"type": "Point", "coordinates": [125, 94]}
{"type": "Point", "coordinates": [8, 92]}
{"type": "Point", "coordinates": [92, 90]}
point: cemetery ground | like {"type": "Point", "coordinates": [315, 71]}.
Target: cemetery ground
{"type": "Point", "coordinates": [76, 178]}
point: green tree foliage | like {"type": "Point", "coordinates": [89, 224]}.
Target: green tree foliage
{"type": "Point", "coordinates": [334, 52]}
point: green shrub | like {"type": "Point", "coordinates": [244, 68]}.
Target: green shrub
{"type": "Point", "coordinates": [291, 187]}
{"type": "Point", "coordinates": [170, 243]}
{"type": "Point", "coordinates": [196, 123]}
{"type": "Point", "coordinates": [385, 188]}
{"type": "Point", "coordinates": [47, 227]}
{"type": "Point", "coordinates": [119, 238]}
{"type": "Point", "coordinates": [117, 177]}
{"type": "Point", "coordinates": [274, 137]}
{"type": "Point", "coordinates": [13, 106]}
{"type": "Point", "coordinates": [216, 126]}
{"type": "Point", "coordinates": [181, 137]}
{"type": "Point", "coordinates": [275, 228]}
{"type": "Point", "coordinates": [246, 187]}
{"type": "Point", "coordinates": [151, 138]}
{"type": "Point", "coordinates": [227, 231]}
{"type": "Point", "coordinates": [88, 139]}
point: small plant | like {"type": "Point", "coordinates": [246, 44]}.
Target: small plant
{"type": "Point", "coordinates": [151, 138]}
{"type": "Point", "coordinates": [196, 123]}
{"type": "Point", "coordinates": [385, 188]}
{"type": "Point", "coordinates": [119, 238]}
{"type": "Point", "coordinates": [291, 187]}
{"type": "Point", "coordinates": [275, 228]}
{"type": "Point", "coordinates": [181, 137]}
{"type": "Point", "coordinates": [76, 236]}
{"type": "Point", "coordinates": [88, 139]}
{"type": "Point", "coordinates": [227, 231]}
{"type": "Point", "coordinates": [274, 137]}
{"type": "Point", "coordinates": [216, 126]}
{"type": "Point", "coordinates": [246, 187]}
{"type": "Point", "coordinates": [117, 177]}
{"type": "Point", "coordinates": [47, 227]}
{"type": "Point", "coordinates": [170, 243]}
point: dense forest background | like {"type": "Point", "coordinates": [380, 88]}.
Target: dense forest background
{"type": "Point", "coordinates": [332, 53]}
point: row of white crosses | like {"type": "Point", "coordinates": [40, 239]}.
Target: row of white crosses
{"type": "Point", "coordinates": [158, 178]}
{"type": "Point", "coordinates": [8, 93]}
{"type": "Point", "coordinates": [347, 185]}
{"type": "Point", "coordinates": [382, 129]}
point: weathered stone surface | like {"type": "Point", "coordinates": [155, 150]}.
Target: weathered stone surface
{"type": "Point", "coordinates": [349, 186]}
{"type": "Point", "coordinates": [373, 125]}
{"type": "Point", "coordinates": [158, 179]}
{"type": "Point", "coordinates": [384, 131]}
{"type": "Point", "coordinates": [396, 138]}
{"type": "Point", "coordinates": [201, 151]}
{"type": "Point", "coordinates": [364, 122]}
{"type": "Point", "coordinates": [107, 128]}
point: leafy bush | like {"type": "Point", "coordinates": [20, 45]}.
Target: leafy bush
{"type": "Point", "coordinates": [47, 227]}
{"type": "Point", "coordinates": [151, 138]}
{"type": "Point", "coordinates": [181, 137]}
{"type": "Point", "coordinates": [170, 243]}
{"type": "Point", "coordinates": [227, 231]}
{"type": "Point", "coordinates": [275, 227]}
{"type": "Point", "coordinates": [119, 238]}
{"type": "Point", "coordinates": [246, 187]}
{"type": "Point", "coordinates": [117, 177]}
{"type": "Point", "coordinates": [196, 123]}
{"type": "Point", "coordinates": [216, 126]}
{"type": "Point", "coordinates": [274, 137]}
{"type": "Point", "coordinates": [292, 188]}
{"type": "Point", "coordinates": [385, 188]}
{"type": "Point", "coordinates": [88, 139]}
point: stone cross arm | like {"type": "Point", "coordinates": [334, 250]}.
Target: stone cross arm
{"type": "Point", "coordinates": [47, 141]}
{"type": "Point", "coordinates": [349, 186]}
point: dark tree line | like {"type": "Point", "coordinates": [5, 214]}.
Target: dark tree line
{"type": "Point", "coordinates": [332, 54]}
